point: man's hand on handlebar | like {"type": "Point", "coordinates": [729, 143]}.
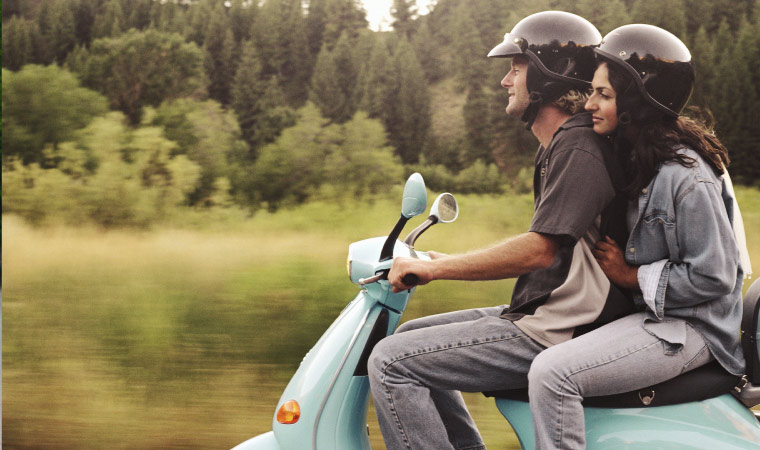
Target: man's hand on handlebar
{"type": "Point", "coordinates": [416, 272]}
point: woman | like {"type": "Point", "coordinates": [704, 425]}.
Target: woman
{"type": "Point", "coordinates": [681, 260]}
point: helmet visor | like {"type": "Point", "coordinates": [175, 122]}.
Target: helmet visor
{"type": "Point", "coordinates": [511, 46]}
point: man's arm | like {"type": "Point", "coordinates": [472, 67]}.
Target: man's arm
{"type": "Point", "coordinates": [515, 256]}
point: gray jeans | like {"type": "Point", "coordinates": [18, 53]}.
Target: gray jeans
{"type": "Point", "coordinates": [622, 356]}
{"type": "Point", "coordinates": [416, 376]}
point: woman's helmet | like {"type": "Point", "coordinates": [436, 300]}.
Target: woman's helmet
{"type": "Point", "coordinates": [657, 63]}
{"type": "Point", "coordinates": [559, 47]}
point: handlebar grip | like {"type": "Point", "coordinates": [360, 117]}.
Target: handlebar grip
{"type": "Point", "coordinates": [410, 279]}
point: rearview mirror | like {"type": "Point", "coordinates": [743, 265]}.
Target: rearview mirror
{"type": "Point", "coordinates": [415, 196]}
{"type": "Point", "coordinates": [445, 208]}
{"type": "Point", "coordinates": [413, 204]}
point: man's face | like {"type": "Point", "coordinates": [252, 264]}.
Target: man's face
{"type": "Point", "coordinates": [515, 83]}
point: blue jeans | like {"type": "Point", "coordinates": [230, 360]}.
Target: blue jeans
{"type": "Point", "coordinates": [416, 376]}
{"type": "Point", "coordinates": [622, 356]}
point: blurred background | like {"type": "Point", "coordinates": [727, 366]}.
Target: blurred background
{"type": "Point", "coordinates": [181, 180]}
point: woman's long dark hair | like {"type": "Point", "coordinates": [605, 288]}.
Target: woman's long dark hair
{"type": "Point", "coordinates": [647, 138]}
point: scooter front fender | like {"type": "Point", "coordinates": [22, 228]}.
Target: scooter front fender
{"type": "Point", "coordinates": [266, 441]}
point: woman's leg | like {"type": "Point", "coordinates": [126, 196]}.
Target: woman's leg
{"type": "Point", "coordinates": [618, 357]}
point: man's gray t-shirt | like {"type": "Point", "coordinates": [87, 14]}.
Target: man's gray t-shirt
{"type": "Point", "coordinates": [571, 189]}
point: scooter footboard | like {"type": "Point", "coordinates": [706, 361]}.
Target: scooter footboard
{"type": "Point", "coordinates": [720, 422]}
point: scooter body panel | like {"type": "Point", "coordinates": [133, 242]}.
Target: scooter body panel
{"type": "Point", "coordinates": [265, 441]}
{"type": "Point", "coordinates": [721, 422]}
{"type": "Point", "coordinates": [329, 395]}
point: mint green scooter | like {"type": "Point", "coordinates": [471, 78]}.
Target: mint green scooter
{"type": "Point", "coordinates": [324, 407]}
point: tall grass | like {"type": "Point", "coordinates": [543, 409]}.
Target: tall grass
{"type": "Point", "coordinates": [185, 337]}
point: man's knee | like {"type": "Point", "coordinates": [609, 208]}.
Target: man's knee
{"type": "Point", "coordinates": [412, 325]}
{"type": "Point", "coordinates": [379, 358]}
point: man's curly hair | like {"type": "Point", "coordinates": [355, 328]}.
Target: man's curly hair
{"type": "Point", "coordinates": [572, 101]}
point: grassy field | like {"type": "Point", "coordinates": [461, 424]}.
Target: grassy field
{"type": "Point", "coordinates": [185, 337]}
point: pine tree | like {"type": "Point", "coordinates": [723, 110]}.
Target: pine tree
{"type": "Point", "coordinates": [316, 22]}
{"type": "Point", "coordinates": [404, 13]}
{"type": "Point", "coordinates": [196, 20]}
{"type": "Point", "coordinates": [140, 68]}
{"type": "Point", "coordinates": [218, 61]}
{"type": "Point", "coordinates": [343, 17]}
{"type": "Point", "coordinates": [333, 85]}
{"type": "Point", "coordinates": [479, 136]}
{"type": "Point", "coordinates": [469, 52]}
{"type": "Point", "coordinates": [110, 22]}
{"type": "Point", "coordinates": [298, 64]}
{"type": "Point", "coordinates": [739, 106]}
{"type": "Point", "coordinates": [258, 103]}
{"type": "Point", "coordinates": [377, 82]}
{"type": "Point", "coordinates": [703, 54]}
{"type": "Point", "coordinates": [409, 128]}
{"type": "Point", "coordinates": [606, 16]}
{"type": "Point", "coordinates": [58, 29]}
{"type": "Point", "coordinates": [242, 16]}
{"type": "Point", "coordinates": [428, 51]}
{"type": "Point", "coordinates": [667, 14]}
{"type": "Point", "coordinates": [18, 44]}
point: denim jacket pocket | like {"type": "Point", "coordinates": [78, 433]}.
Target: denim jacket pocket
{"type": "Point", "coordinates": [657, 230]}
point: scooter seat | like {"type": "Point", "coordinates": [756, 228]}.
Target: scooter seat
{"type": "Point", "coordinates": [702, 383]}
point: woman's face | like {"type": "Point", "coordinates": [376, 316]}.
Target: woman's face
{"type": "Point", "coordinates": [602, 102]}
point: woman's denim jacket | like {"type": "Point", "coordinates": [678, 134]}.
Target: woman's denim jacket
{"type": "Point", "coordinates": [683, 241]}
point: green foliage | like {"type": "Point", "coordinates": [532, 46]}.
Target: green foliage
{"type": "Point", "coordinates": [44, 105]}
{"type": "Point", "coordinates": [408, 130]}
{"type": "Point", "coordinates": [111, 22]}
{"type": "Point", "coordinates": [333, 86]}
{"type": "Point", "coordinates": [209, 136]}
{"type": "Point", "coordinates": [739, 105]}
{"type": "Point", "coordinates": [109, 175]}
{"type": "Point", "coordinates": [478, 178]}
{"type": "Point", "coordinates": [342, 17]}
{"type": "Point", "coordinates": [218, 62]}
{"type": "Point", "coordinates": [258, 102]}
{"type": "Point", "coordinates": [668, 14]}
{"type": "Point", "coordinates": [393, 89]}
{"type": "Point", "coordinates": [58, 29]}
{"type": "Point", "coordinates": [428, 85]}
{"type": "Point", "coordinates": [428, 51]}
{"type": "Point", "coordinates": [404, 12]}
{"type": "Point", "coordinates": [280, 35]}
{"type": "Point", "coordinates": [140, 69]}
{"type": "Point", "coordinates": [18, 42]}
{"type": "Point", "coordinates": [346, 159]}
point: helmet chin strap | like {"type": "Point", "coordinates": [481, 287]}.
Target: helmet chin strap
{"type": "Point", "coordinates": [531, 112]}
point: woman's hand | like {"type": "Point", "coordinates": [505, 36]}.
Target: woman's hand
{"type": "Point", "coordinates": [610, 258]}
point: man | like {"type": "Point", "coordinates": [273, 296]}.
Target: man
{"type": "Point", "coordinates": [416, 375]}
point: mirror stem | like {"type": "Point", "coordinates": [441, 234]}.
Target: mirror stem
{"type": "Point", "coordinates": [412, 237]}
{"type": "Point", "coordinates": [387, 252]}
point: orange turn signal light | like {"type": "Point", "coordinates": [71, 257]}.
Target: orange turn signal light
{"type": "Point", "coordinates": [289, 412]}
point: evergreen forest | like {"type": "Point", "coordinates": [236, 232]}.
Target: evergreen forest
{"type": "Point", "coordinates": [122, 112]}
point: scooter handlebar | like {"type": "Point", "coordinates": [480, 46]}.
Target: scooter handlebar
{"type": "Point", "coordinates": [410, 279]}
